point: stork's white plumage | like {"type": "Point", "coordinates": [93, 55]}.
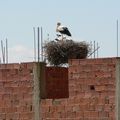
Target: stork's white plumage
{"type": "Point", "coordinates": [62, 29]}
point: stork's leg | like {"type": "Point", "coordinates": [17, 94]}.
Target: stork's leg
{"type": "Point", "coordinates": [62, 37]}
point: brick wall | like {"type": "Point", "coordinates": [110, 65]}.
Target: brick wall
{"type": "Point", "coordinates": [92, 86]}
{"type": "Point", "coordinates": [92, 92]}
{"type": "Point", "coordinates": [16, 91]}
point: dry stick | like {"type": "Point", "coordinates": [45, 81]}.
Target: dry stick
{"type": "Point", "coordinates": [93, 51]}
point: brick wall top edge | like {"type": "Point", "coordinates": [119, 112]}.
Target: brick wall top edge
{"type": "Point", "coordinates": [97, 58]}
{"type": "Point", "coordinates": [27, 65]}
{"type": "Point", "coordinates": [93, 60]}
{"type": "Point", "coordinates": [56, 67]}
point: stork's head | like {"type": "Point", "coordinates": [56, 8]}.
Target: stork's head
{"type": "Point", "coordinates": [58, 24]}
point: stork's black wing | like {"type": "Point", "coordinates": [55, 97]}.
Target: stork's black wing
{"type": "Point", "coordinates": [66, 31]}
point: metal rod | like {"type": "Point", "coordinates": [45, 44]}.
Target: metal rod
{"type": "Point", "coordinates": [6, 50]}
{"type": "Point", "coordinates": [2, 49]}
{"type": "Point", "coordinates": [41, 44]}
{"type": "Point", "coordinates": [34, 44]}
{"type": "Point", "coordinates": [38, 46]}
{"type": "Point", "coordinates": [97, 50]}
{"type": "Point", "coordinates": [4, 53]}
{"type": "Point", "coordinates": [117, 38]}
{"type": "Point", "coordinates": [91, 47]}
{"type": "Point", "coordinates": [94, 49]}
{"type": "Point", "coordinates": [47, 37]}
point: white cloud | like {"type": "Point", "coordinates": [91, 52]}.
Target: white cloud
{"type": "Point", "coordinates": [20, 53]}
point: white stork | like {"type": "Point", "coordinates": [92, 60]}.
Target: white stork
{"type": "Point", "coordinates": [63, 30]}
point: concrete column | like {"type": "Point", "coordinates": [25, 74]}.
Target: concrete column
{"type": "Point", "coordinates": [36, 97]}
{"type": "Point", "coordinates": [117, 89]}
{"type": "Point", "coordinates": [39, 88]}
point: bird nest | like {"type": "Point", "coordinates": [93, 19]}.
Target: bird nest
{"type": "Point", "coordinates": [59, 52]}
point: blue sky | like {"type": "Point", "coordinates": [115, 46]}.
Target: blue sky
{"type": "Point", "coordinates": [87, 20]}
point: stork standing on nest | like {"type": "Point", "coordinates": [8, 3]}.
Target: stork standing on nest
{"type": "Point", "coordinates": [63, 30]}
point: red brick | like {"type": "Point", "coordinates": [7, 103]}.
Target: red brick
{"type": "Point", "coordinates": [26, 115]}
{"type": "Point", "coordinates": [101, 100]}
{"type": "Point", "coordinates": [109, 107]}
{"type": "Point", "coordinates": [52, 109]}
{"type": "Point", "coordinates": [45, 109]}
{"type": "Point", "coordinates": [99, 108]}
{"type": "Point", "coordinates": [112, 114]}
{"type": "Point", "coordinates": [71, 114]}
{"type": "Point", "coordinates": [68, 108]}
{"type": "Point", "coordinates": [103, 114]}
{"type": "Point", "coordinates": [93, 114]}
{"type": "Point", "coordinates": [80, 114]}
{"type": "Point", "coordinates": [100, 88]}
{"type": "Point", "coordinates": [112, 100]}
{"type": "Point", "coordinates": [49, 102]}
{"type": "Point", "coordinates": [2, 116]}
{"type": "Point", "coordinates": [76, 108]}
{"type": "Point", "coordinates": [74, 62]}
{"type": "Point", "coordinates": [71, 101]}
{"type": "Point", "coordinates": [60, 108]}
